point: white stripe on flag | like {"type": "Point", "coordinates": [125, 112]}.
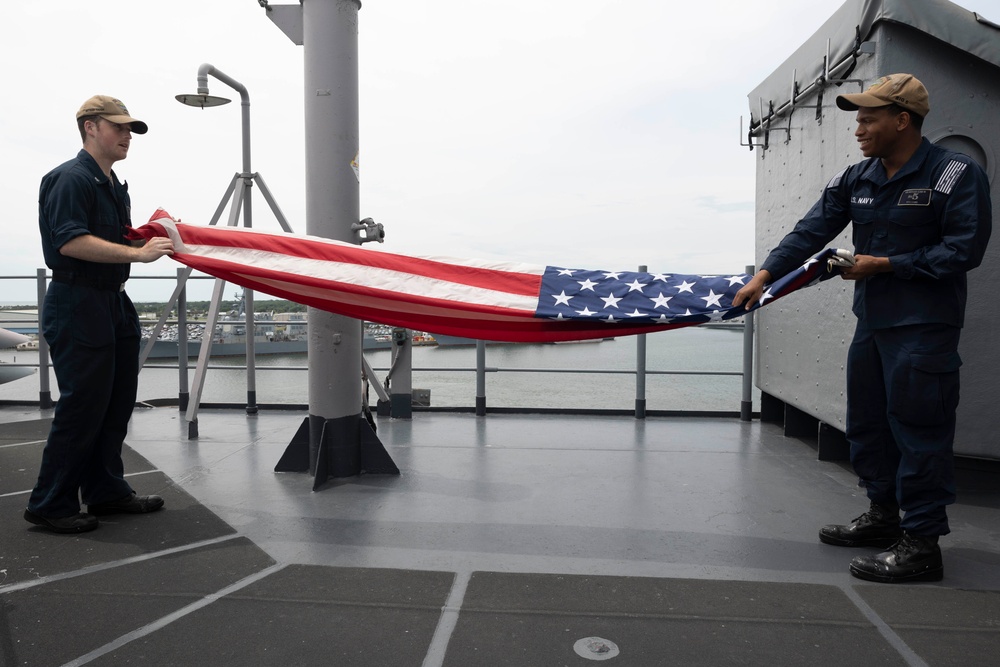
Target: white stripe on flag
{"type": "Point", "coordinates": [364, 277]}
{"type": "Point", "coordinates": [385, 302]}
{"type": "Point", "coordinates": [493, 265]}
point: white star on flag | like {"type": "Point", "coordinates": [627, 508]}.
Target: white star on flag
{"type": "Point", "coordinates": [610, 301]}
{"type": "Point", "coordinates": [661, 301]}
{"type": "Point", "coordinates": [561, 298]}
{"type": "Point", "coordinates": [685, 286]}
{"type": "Point", "coordinates": [712, 299]}
{"type": "Point", "coordinates": [636, 286]}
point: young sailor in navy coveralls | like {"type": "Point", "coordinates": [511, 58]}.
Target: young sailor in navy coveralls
{"type": "Point", "coordinates": [921, 220]}
{"type": "Point", "coordinates": [90, 326]}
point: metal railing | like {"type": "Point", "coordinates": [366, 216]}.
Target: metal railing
{"type": "Point", "coordinates": [641, 372]}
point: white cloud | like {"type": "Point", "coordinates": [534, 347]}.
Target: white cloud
{"type": "Point", "coordinates": [578, 132]}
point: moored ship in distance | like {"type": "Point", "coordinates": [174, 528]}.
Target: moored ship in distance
{"type": "Point", "coordinates": [444, 340]}
{"type": "Point", "coordinates": [271, 337]}
{"type": "Point", "coordinates": [10, 339]}
{"type": "Point", "coordinates": [734, 324]}
{"type": "Point", "coordinates": [458, 341]}
{"type": "Point", "coordinates": [274, 333]}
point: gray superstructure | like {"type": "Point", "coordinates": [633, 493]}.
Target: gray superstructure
{"type": "Point", "coordinates": [802, 341]}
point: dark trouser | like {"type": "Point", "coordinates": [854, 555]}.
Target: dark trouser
{"type": "Point", "coordinates": [93, 338]}
{"type": "Point", "coordinates": [902, 393]}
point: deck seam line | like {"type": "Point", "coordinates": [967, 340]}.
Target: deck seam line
{"type": "Point", "coordinates": [895, 641]}
{"type": "Point", "coordinates": [22, 444]}
{"type": "Point", "coordinates": [11, 494]}
{"type": "Point", "coordinates": [164, 621]}
{"type": "Point", "coordinates": [597, 613]}
{"type": "Point", "coordinates": [438, 646]}
{"type": "Point", "coordinates": [48, 579]}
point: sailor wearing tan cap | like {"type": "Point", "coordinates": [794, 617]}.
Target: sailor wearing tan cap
{"type": "Point", "coordinates": [90, 325]}
{"type": "Point", "coordinates": [921, 219]}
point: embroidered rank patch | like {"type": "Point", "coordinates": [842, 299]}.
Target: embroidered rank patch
{"type": "Point", "coordinates": [915, 198]}
{"type": "Point", "coordinates": [951, 175]}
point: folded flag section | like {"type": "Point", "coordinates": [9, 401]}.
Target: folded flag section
{"type": "Point", "coordinates": [490, 300]}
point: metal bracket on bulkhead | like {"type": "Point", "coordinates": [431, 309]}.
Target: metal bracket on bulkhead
{"type": "Point", "coordinates": [827, 77]}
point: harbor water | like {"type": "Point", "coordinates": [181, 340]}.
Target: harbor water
{"type": "Point", "coordinates": [448, 373]}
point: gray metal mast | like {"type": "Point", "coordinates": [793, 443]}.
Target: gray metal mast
{"type": "Point", "coordinates": [338, 440]}
{"type": "Point", "coordinates": [330, 30]}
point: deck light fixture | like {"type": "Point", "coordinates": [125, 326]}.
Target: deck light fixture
{"type": "Point", "coordinates": [239, 191]}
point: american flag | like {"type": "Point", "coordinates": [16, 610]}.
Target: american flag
{"type": "Point", "coordinates": [498, 301]}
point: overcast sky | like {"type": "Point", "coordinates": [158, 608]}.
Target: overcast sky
{"type": "Point", "coordinates": [583, 133]}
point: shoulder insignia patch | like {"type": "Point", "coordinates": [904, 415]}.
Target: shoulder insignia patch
{"type": "Point", "coordinates": [952, 174]}
{"type": "Point", "coordinates": [835, 181]}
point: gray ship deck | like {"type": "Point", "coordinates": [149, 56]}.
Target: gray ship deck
{"type": "Point", "coordinates": [506, 541]}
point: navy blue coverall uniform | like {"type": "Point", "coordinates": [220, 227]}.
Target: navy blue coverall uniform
{"type": "Point", "coordinates": [93, 334]}
{"type": "Point", "coordinates": [932, 220]}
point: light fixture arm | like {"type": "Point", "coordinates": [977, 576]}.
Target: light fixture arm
{"type": "Point", "coordinates": [241, 202]}
{"type": "Point", "coordinates": [206, 70]}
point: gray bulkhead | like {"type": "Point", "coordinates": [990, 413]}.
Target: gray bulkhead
{"type": "Point", "coordinates": [802, 340]}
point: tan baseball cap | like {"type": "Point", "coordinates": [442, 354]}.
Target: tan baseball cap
{"type": "Point", "coordinates": [113, 109]}
{"type": "Point", "coordinates": [902, 89]}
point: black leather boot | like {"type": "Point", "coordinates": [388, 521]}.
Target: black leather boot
{"type": "Point", "coordinates": [878, 527]}
{"type": "Point", "coordinates": [913, 558]}
{"type": "Point", "coordinates": [78, 523]}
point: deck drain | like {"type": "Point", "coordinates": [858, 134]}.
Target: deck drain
{"type": "Point", "coordinates": [595, 648]}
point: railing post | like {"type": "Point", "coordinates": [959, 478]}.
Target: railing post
{"type": "Point", "coordinates": [480, 378]}
{"type": "Point", "coordinates": [182, 342]}
{"type": "Point", "coordinates": [746, 405]}
{"type": "Point", "coordinates": [640, 370]}
{"type": "Point", "coordinates": [401, 394]}
{"type": "Point", "coordinates": [44, 390]}
{"type": "Point", "coordinates": [250, 327]}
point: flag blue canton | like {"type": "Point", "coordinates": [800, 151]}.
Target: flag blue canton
{"type": "Point", "coordinates": [637, 297]}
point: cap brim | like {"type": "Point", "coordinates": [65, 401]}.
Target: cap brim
{"type": "Point", "coordinates": [855, 101]}
{"type": "Point", "coordinates": [137, 126]}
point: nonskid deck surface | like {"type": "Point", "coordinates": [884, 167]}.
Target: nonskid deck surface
{"type": "Point", "coordinates": [506, 540]}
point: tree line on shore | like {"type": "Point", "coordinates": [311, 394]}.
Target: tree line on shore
{"type": "Point", "coordinates": [269, 305]}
